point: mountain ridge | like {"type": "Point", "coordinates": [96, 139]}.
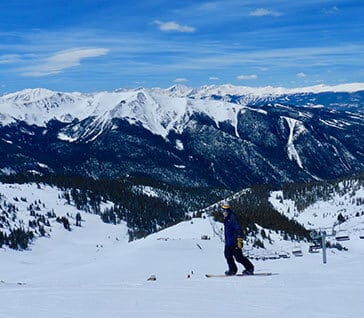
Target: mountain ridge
{"type": "Point", "coordinates": [214, 141]}
{"type": "Point", "coordinates": [158, 110]}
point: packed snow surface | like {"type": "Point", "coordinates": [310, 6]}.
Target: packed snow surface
{"type": "Point", "coordinates": [94, 272]}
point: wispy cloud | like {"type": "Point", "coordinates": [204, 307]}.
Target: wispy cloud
{"type": "Point", "coordinates": [301, 75]}
{"type": "Point", "coordinates": [151, 58]}
{"type": "Point", "coordinates": [63, 60]}
{"type": "Point", "coordinates": [180, 80]}
{"type": "Point", "coordinates": [246, 77]}
{"type": "Point", "coordinates": [173, 26]}
{"type": "Point", "coordinates": [330, 11]}
{"type": "Point", "coordinates": [261, 12]}
{"type": "Point", "coordinates": [9, 58]}
{"type": "Point", "coordinates": [221, 57]}
{"type": "Point", "coordinates": [208, 6]}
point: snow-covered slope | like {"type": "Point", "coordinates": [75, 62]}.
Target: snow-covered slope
{"type": "Point", "coordinates": [260, 92]}
{"type": "Point", "coordinates": [93, 271]}
{"type": "Point", "coordinates": [323, 213]}
{"type": "Point", "coordinates": [158, 113]}
{"type": "Point", "coordinates": [65, 277]}
{"type": "Point", "coordinates": [179, 136]}
{"type": "Point", "coordinates": [158, 110]}
{"type": "Point", "coordinates": [37, 207]}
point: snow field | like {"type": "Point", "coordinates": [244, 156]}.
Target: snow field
{"type": "Point", "coordinates": [93, 271]}
{"type": "Point", "coordinates": [65, 277]}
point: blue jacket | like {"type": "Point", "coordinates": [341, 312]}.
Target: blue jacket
{"type": "Point", "coordinates": [232, 229]}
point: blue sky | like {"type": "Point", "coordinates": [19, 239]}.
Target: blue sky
{"type": "Point", "coordinates": [93, 45]}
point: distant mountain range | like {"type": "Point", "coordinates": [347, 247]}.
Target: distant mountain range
{"type": "Point", "coordinates": [221, 136]}
{"type": "Point", "coordinates": [349, 97]}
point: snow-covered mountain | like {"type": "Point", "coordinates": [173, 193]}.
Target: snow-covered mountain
{"type": "Point", "coordinates": [320, 206]}
{"type": "Point", "coordinates": [260, 92]}
{"type": "Point", "coordinates": [92, 270]}
{"type": "Point", "coordinates": [214, 135]}
{"type": "Point", "coordinates": [35, 209]}
{"type": "Point", "coordinates": [158, 110]}
{"type": "Point", "coordinates": [349, 97]}
{"type": "Point", "coordinates": [158, 113]}
{"type": "Point", "coordinates": [89, 273]}
{"type": "Point", "coordinates": [29, 212]}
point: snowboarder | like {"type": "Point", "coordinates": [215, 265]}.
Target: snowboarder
{"type": "Point", "coordinates": [234, 243]}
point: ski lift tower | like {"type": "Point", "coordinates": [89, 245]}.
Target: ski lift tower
{"type": "Point", "coordinates": [322, 234]}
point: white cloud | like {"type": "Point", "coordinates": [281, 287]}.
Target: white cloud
{"type": "Point", "coordinates": [213, 78]}
{"type": "Point", "coordinates": [63, 60]}
{"type": "Point", "coordinates": [246, 77]}
{"type": "Point", "coordinates": [264, 12]}
{"type": "Point", "coordinates": [208, 6]}
{"type": "Point", "coordinates": [331, 10]}
{"type": "Point", "coordinates": [173, 26]}
{"type": "Point", "coordinates": [9, 58]}
{"type": "Point", "coordinates": [180, 80]}
{"type": "Point", "coordinates": [301, 75]}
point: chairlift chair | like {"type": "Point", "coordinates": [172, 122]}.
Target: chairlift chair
{"type": "Point", "coordinates": [342, 235]}
{"type": "Point", "coordinates": [297, 251]}
{"type": "Point", "coordinates": [314, 249]}
{"type": "Point", "coordinates": [361, 234]}
{"type": "Point", "coordinates": [283, 254]}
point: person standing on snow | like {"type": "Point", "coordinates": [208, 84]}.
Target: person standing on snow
{"type": "Point", "coordinates": [234, 243]}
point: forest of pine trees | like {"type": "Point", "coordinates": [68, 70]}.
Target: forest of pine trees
{"type": "Point", "coordinates": [146, 214]}
{"type": "Point", "coordinates": [253, 207]}
{"type": "Point", "coordinates": [18, 239]}
{"type": "Point", "coordinates": [305, 194]}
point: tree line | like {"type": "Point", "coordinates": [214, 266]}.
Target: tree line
{"type": "Point", "coordinates": [143, 213]}
{"type": "Point", "coordinates": [147, 211]}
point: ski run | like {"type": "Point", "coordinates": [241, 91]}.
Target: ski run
{"type": "Point", "coordinates": [93, 271]}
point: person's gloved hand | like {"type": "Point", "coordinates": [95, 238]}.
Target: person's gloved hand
{"type": "Point", "coordinates": [240, 242]}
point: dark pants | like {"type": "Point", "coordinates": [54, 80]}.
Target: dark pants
{"type": "Point", "coordinates": [232, 252]}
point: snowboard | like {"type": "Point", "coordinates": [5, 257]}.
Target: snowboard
{"type": "Point", "coordinates": [240, 275]}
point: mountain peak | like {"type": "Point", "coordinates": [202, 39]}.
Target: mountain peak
{"type": "Point", "coordinates": [178, 90]}
{"type": "Point", "coordinates": [28, 95]}
{"type": "Point", "coordinates": [165, 107]}
{"type": "Point", "coordinates": [229, 89]}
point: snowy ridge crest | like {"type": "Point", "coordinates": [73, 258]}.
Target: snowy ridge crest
{"type": "Point", "coordinates": [158, 110]}
{"type": "Point", "coordinates": [285, 139]}
{"type": "Point", "coordinates": [159, 113]}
